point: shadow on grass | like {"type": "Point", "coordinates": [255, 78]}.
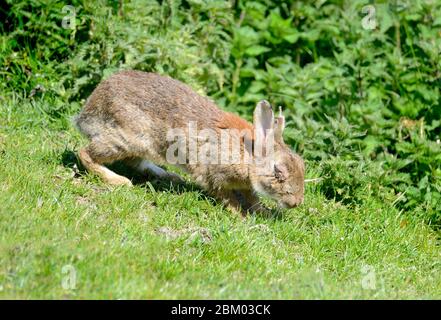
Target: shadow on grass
{"type": "Point", "coordinates": [70, 160]}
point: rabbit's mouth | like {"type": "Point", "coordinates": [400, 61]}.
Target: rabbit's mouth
{"type": "Point", "coordinates": [282, 205]}
{"type": "Point", "coordinates": [290, 204]}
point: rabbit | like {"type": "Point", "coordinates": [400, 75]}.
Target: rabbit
{"type": "Point", "coordinates": [130, 115]}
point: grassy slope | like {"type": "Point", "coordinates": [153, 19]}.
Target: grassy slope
{"type": "Point", "coordinates": [135, 242]}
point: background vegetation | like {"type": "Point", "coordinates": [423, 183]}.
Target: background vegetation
{"type": "Point", "coordinates": [363, 107]}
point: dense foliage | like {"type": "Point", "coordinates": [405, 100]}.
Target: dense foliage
{"type": "Point", "coordinates": [363, 105]}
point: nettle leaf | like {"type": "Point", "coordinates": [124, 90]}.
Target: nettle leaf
{"type": "Point", "coordinates": [256, 50]}
{"type": "Point", "coordinates": [257, 86]}
{"type": "Point", "coordinates": [437, 21]}
{"type": "Point", "coordinates": [292, 38]}
{"type": "Point", "coordinates": [327, 27]}
{"type": "Point", "coordinates": [255, 11]}
{"type": "Point", "coordinates": [247, 72]}
{"type": "Point", "coordinates": [244, 38]}
{"type": "Point", "coordinates": [280, 29]}
{"type": "Point", "coordinates": [386, 19]}
{"type": "Point", "coordinates": [246, 35]}
{"type": "Point", "coordinates": [311, 35]}
{"type": "Point", "coordinates": [279, 61]}
{"type": "Point", "coordinates": [426, 91]}
{"type": "Point", "coordinates": [423, 183]}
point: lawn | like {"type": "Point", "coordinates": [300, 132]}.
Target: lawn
{"type": "Point", "coordinates": [66, 235]}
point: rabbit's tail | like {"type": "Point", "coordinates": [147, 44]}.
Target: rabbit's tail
{"type": "Point", "coordinates": [78, 123]}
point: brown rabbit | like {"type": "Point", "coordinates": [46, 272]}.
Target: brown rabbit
{"type": "Point", "coordinates": [133, 115]}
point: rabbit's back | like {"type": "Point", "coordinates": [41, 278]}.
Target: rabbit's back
{"type": "Point", "coordinates": [133, 111]}
{"type": "Point", "coordinates": [130, 96]}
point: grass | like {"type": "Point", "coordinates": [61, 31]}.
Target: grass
{"type": "Point", "coordinates": [156, 241]}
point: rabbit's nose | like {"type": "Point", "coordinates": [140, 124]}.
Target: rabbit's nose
{"type": "Point", "coordinates": [293, 203]}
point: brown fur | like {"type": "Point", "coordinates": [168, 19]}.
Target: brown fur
{"type": "Point", "coordinates": [127, 118]}
{"type": "Point", "coordinates": [230, 121]}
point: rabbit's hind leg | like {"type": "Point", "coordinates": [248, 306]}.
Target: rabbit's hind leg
{"type": "Point", "coordinates": [93, 161]}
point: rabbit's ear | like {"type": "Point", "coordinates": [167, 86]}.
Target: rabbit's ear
{"type": "Point", "coordinates": [263, 121]}
{"type": "Point", "coordinates": [279, 126]}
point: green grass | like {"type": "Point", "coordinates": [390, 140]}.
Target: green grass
{"type": "Point", "coordinates": [362, 107]}
{"type": "Point", "coordinates": [155, 241]}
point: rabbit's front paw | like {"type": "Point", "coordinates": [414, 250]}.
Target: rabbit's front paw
{"type": "Point", "coordinates": [261, 210]}
{"type": "Point", "coordinates": [173, 177]}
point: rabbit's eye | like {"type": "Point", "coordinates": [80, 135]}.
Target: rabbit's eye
{"type": "Point", "coordinates": [280, 173]}
{"type": "Point", "coordinates": [278, 177]}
